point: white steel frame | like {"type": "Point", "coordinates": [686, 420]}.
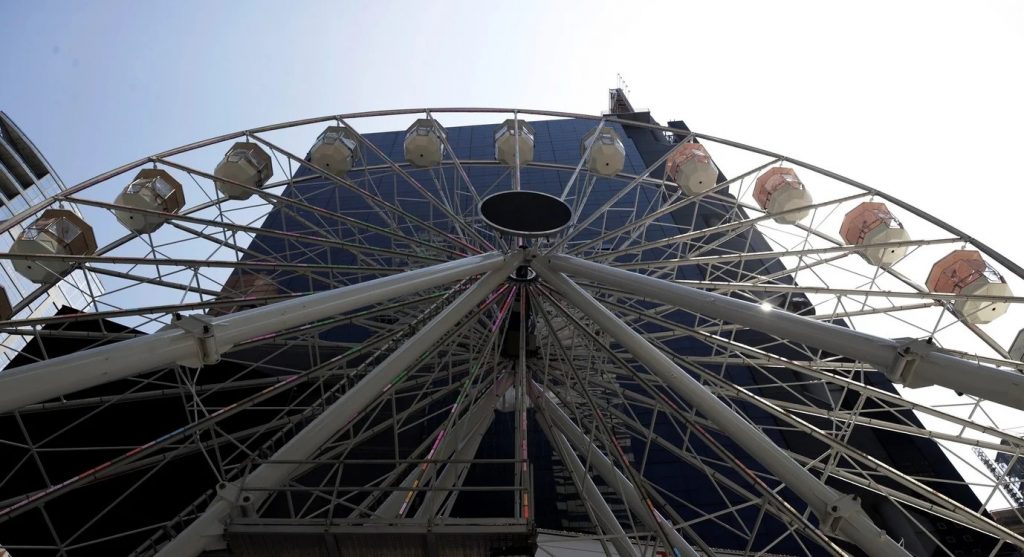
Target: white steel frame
{"type": "Point", "coordinates": [437, 297]}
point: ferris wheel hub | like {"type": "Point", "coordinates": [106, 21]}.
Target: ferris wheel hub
{"type": "Point", "coordinates": [525, 213]}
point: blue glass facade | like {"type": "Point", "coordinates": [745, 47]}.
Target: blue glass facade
{"type": "Point", "coordinates": [688, 489]}
{"type": "Point", "coordinates": [693, 473]}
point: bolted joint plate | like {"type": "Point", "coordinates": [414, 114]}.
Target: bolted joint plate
{"type": "Point", "coordinates": [908, 355]}
{"type": "Point", "coordinates": [837, 511]}
{"type": "Point", "coordinates": [243, 505]}
{"type": "Point", "coordinates": [202, 328]}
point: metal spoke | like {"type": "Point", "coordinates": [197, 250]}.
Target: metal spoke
{"type": "Point", "coordinates": [332, 354]}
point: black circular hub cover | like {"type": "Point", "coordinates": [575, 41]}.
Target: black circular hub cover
{"type": "Point", "coordinates": [525, 213]}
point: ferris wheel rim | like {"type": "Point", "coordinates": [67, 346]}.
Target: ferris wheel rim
{"type": "Point", "coordinates": [162, 158]}
{"type": "Point", "coordinates": [67, 195]}
{"type": "Point", "coordinates": [17, 219]}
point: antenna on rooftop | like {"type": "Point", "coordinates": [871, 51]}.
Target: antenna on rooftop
{"type": "Point", "coordinates": [620, 83]}
{"type": "Point", "coordinates": [618, 101]}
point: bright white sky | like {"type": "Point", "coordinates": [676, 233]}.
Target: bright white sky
{"type": "Point", "coordinates": [922, 99]}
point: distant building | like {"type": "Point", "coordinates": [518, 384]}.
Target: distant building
{"type": "Point", "coordinates": [26, 178]}
{"type": "Point", "coordinates": [557, 505]}
{"type": "Point", "coordinates": [148, 512]}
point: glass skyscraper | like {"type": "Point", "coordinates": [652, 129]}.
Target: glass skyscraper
{"type": "Point", "coordinates": [155, 451]}
{"type": "Point", "coordinates": [26, 178]}
{"type": "Point", "coordinates": [557, 504]}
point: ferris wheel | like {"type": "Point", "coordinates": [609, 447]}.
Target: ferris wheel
{"type": "Point", "coordinates": [506, 331]}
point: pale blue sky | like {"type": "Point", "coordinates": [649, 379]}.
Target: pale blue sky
{"type": "Point", "coordinates": [923, 99]}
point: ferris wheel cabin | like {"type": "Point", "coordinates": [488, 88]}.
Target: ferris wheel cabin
{"type": "Point", "coordinates": [692, 169]}
{"type": "Point", "coordinates": [334, 150]}
{"type": "Point", "coordinates": [152, 189]}
{"type": "Point", "coordinates": [56, 232]}
{"type": "Point", "coordinates": [245, 167]}
{"type": "Point", "coordinates": [781, 194]}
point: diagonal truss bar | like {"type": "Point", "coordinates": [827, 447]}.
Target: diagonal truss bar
{"type": "Point", "coordinates": [774, 503]}
{"type": "Point", "coordinates": [669, 207]}
{"type": "Point", "coordinates": [600, 513]}
{"type": "Point", "coordinates": [195, 263]}
{"type": "Point", "coordinates": [836, 511]}
{"type": "Point", "coordinates": [612, 476]}
{"type": "Point", "coordinates": [474, 422]}
{"type": "Point", "coordinates": [374, 200]}
{"type": "Point", "coordinates": [911, 363]}
{"type": "Point", "coordinates": [454, 219]}
{"type": "Point", "coordinates": [576, 229]}
{"type": "Point", "coordinates": [467, 447]}
{"type": "Point", "coordinates": [206, 532]}
{"type": "Point", "coordinates": [44, 380]}
{"type": "Point", "coordinates": [774, 255]}
{"type": "Point", "coordinates": [579, 165]}
{"type": "Point", "coordinates": [255, 230]}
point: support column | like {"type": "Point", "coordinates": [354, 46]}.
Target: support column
{"type": "Point", "coordinates": [612, 476]}
{"type": "Point", "coordinates": [206, 532]}
{"type": "Point", "coordinates": [598, 508]}
{"type": "Point", "coordinates": [477, 419]}
{"type": "Point", "coordinates": [204, 339]}
{"type": "Point", "coordinates": [911, 363]}
{"type": "Point", "coordinates": [837, 512]}
{"type": "Point", "coordinates": [467, 449]}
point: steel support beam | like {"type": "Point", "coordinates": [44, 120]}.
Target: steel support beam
{"type": "Point", "coordinates": [474, 422]}
{"type": "Point", "coordinates": [906, 361]}
{"type": "Point", "coordinates": [837, 512]}
{"type": "Point", "coordinates": [597, 507]}
{"type": "Point", "coordinates": [467, 447]}
{"type": "Point", "coordinates": [612, 475]}
{"type": "Point", "coordinates": [51, 378]}
{"type": "Point", "coordinates": [206, 532]}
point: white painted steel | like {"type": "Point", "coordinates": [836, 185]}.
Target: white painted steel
{"type": "Point", "coordinates": [466, 447]}
{"type": "Point", "coordinates": [205, 532]}
{"type": "Point", "coordinates": [919, 366]}
{"type": "Point", "coordinates": [598, 508]}
{"type": "Point", "coordinates": [40, 381]}
{"type": "Point", "coordinates": [856, 525]}
{"type": "Point", "coordinates": [451, 230]}
{"type": "Point", "coordinates": [245, 167]}
{"type": "Point", "coordinates": [611, 475]}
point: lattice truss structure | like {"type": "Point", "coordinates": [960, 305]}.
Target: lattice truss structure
{"type": "Point", "coordinates": [332, 353]}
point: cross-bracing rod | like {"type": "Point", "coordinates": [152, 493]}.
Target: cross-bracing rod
{"type": "Point", "coordinates": [773, 501]}
{"type": "Point", "coordinates": [206, 532]}
{"type": "Point", "coordinates": [598, 509]}
{"type": "Point", "coordinates": [837, 512]}
{"type": "Point", "coordinates": [612, 476]}
{"type": "Point", "coordinates": [476, 420]}
{"type": "Point", "coordinates": [454, 472]}
{"type": "Point", "coordinates": [212, 337]}
{"type": "Point", "coordinates": [909, 362]}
